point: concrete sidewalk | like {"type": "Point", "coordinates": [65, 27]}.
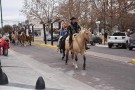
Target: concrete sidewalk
{"type": "Point", "coordinates": [23, 71]}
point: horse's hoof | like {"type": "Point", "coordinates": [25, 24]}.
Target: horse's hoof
{"type": "Point", "coordinates": [62, 58]}
{"type": "Point", "coordinates": [73, 64]}
{"type": "Point", "coordinates": [76, 67]}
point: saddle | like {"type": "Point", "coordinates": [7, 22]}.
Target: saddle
{"type": "Point", "coordinates": [74, 36]}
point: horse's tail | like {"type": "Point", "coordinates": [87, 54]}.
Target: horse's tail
{"type": "Point", "coordinates": [61, 44]}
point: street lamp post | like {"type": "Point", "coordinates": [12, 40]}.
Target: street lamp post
{"type": "Point", "coordinates": [51, 33]}
{"type": "Point", "coordinates": [1, 17]}
{"type": "Point", "coordinates": [33, 32]}
{"type": "Point", "coordinates": [44, 33]}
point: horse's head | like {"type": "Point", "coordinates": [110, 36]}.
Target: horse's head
{"type": "Point", "coordinates": [86, 34]}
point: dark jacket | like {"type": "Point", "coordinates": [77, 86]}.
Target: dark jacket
{"type": "Point", "coordinates": [73, 28]}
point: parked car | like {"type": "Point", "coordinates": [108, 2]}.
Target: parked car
{"type": "Point", "coordinates": [132, 42]}
{"type": "Point", "coordinates": [118, 39]}
{"type": "Point", "coordinates": [95, 39]}
{"type": "Point", "coordinates": [55, 37]}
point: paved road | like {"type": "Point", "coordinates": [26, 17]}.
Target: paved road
{"type": "Point", "coordinates": [114, 51]}
{"type": "Point", "coordinates": [103, 49]}
{"type": "Point", "coordinates": [101, 73]}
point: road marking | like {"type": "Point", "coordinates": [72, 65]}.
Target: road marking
{"type": "Point", "coordinates": [133, 61]}
{"type": "Point", "coordinates": [101, 45]}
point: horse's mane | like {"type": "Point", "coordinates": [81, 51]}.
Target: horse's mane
{"type": "Point", "coordinates": [82, 31]}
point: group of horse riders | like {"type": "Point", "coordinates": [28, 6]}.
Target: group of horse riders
{"type": "Point", "coordinates": [73, 28]}
{"type": "Point", "coordinates": [21, 37]}
{"type": "Point", "coordinates": [74, 40]}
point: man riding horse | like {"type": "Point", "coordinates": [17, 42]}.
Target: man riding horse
{"type": "Point", "coordinates": [72, 29]}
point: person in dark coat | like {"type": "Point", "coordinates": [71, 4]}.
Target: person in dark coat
{"type": "Point", "coordinates": [72, 29]}
{"type": "Point", "coordinates": [6, 47]}
{"type": "Point", "coordinates": [29, 32]}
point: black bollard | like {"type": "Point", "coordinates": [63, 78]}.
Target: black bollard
{"type": "Point", "coordinates": [40, 84]}
{"type": "Point", "coordinates": [0, 76]}
{"type": "Point", "coordinates": [3, 77]}
{"type": "Point", "coordinates": [0, 63]}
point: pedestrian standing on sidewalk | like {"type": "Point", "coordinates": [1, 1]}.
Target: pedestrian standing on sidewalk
{"type": "Point", "coordinates": [105, 36]}
{"type": "Point", "coordinates": [6, 47]}
{"type": "Point", "coordinates": [2, 40]}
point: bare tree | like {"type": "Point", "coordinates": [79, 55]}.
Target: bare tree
{"type": "Point", "coordinates": [115, 12]}
{"type": "Point", "coordinates": [40, 9]}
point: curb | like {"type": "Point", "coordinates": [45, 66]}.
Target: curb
{"type": "Point", "coordinates": [133, 61]}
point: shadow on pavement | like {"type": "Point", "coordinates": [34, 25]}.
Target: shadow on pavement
{"type": "Point", "coordinates": [14, 66]}
{"type": "Point", "coordinates": [24, 86]}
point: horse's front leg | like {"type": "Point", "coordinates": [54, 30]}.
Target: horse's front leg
{"type": "Point", "coordinates": [30, 43]}
{"type": "Point", "coordinates": [21, 42]}
{"type": "Point", "coordinates": [17, 42]}
{"type": "Point", "coordinates": [63, 54]}
{"type": "Point", "coordinates": [25, 43]}
{"type": "Point", "coordinates": [84, 64]}
{"type": "Point", "coordinates": [75, 61]}
{"type": "Point", "coordinates": [67, 52]}
{"type": "Point", "coordinates": [72, 55]}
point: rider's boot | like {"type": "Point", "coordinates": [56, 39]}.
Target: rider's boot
{"type": "Point", "coordinates": [70, 45]}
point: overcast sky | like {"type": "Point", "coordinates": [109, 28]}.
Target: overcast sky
{"type": "Point", "coordinates": [11, 11]}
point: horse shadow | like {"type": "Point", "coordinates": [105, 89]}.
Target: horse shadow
{"type": "Point", "coordinates": [26, 86]}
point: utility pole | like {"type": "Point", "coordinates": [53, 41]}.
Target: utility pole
{"type": "Point", "coordinates": [104, 21]}
{"type": "Point", "coordinates": [33, 33]}
{"type": "Point", "coordinates": [111, 16]}
{"type": "Point", "coordinates": [51, 33]}
{"type": "Point", "coordinates": [1, 18]}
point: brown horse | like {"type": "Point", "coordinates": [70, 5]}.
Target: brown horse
{"type": "Point", "coordinates": [29, 38]}
{"type": "Point", "coordinates": [79, 41]}
{"type": "Point", "coordinates": [23, 38]}
{"type": "Point", "coordinates": [10, 37]}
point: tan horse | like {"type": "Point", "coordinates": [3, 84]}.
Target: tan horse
{"type": "Point", "coordinates": [15, 38]}
{"type": "Point", "coordinates": [79, 41]}
{"type": "Point", "coordinates": [23, 39]}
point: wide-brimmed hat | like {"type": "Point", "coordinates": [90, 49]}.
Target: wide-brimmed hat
{"type": "Point", "coordinates": [73, 18]}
